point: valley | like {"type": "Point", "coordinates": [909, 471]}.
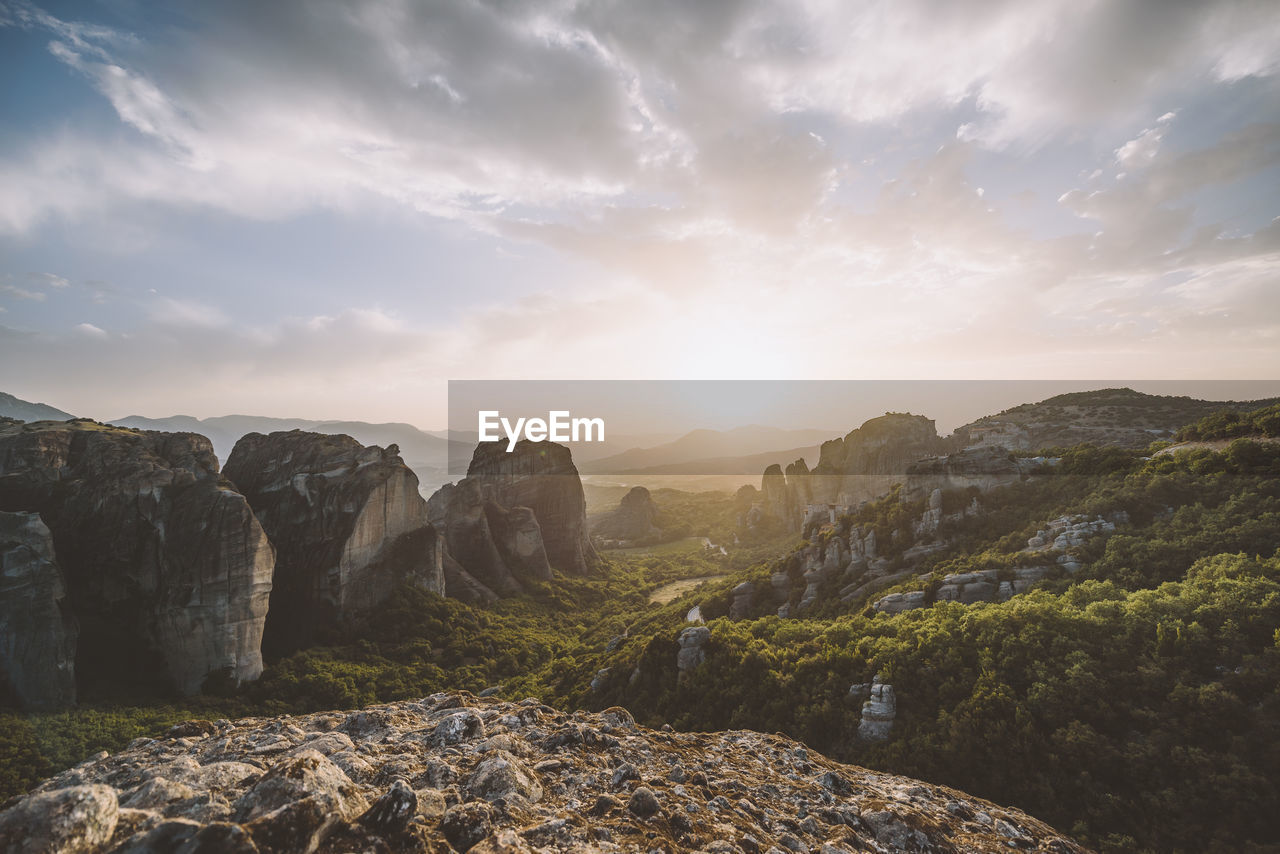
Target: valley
{"type": "Point", "coordinates": [1084, 632]}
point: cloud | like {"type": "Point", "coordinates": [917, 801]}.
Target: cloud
{"type": "Point", "coordinates": [90, 330]}
{"type": "Point", "coordinates": [758, 187]}
{"type": "Point", "coordinates": [187, 314]}
{"type": "Point", "coordinates": [22, 293]}
{"type": "Point", "coordinates": [48, 280]}
{"type": "Point", "coordinates": [1142, 149]}
{"type": "Point", "coordinates": [469, 112]}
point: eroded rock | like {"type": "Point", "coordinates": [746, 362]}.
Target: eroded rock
{"type": "Point", "coordinates": [605, 783]}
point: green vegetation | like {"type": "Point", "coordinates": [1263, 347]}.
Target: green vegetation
{"type": "Point", "coordinates": [1233, 424]}
{"type": "Point", "coordinates": [1133, 704]}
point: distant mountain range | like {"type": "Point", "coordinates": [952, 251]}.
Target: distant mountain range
{"type": "Point", "coordinates": [22, 410]}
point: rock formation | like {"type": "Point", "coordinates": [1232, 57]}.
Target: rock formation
{"type": "Point", "coordinates": [878, 712]}
{"type": "Point", "coordinates": [542, 477]}
{"type": "Point", "coordinates": [165, 566]}
{"type": "Point", "coordinates": [37, 637]}
{"type": "Point", "coordinates": [511, 520]}
{"type": "Point", "coordinates": [862, 465]}
{"type": "Point", "coordinates": [634, 521]}
{"type": "Point", "coordinates": [492, 777]}
{"type": "Point", "coordinates": [489, 548]}
{"type": "Point", "coordinates": [693, 641]}
{"type": "Point", "coordinates": [348, 525]}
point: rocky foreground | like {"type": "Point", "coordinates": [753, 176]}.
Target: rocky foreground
{"type": "Point", "coordinates": [458, 773]}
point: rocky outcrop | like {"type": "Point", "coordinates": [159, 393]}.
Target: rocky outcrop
{"type": "Point", "coordinates": [37, 636]}
{"type": "Point", "coordinates": [896, 603]}
{"type": "Point", "coordinates": [348, 525]}
{"type": "Point", "coordinates": [984, 467]}
{"type": "Point", "coordinates": [740, 600]}
{"type": "Point", "coordinates": [511, 520]}
{"type": "Point", "coordinates": [858, 467]}
{"type": "Point", "coordinates": [488, 777]}
{"type": "Point", "coordinates": [542, 477]}
{"type": "Point", "coordinates": [693, 642]}
{"type": "Point", "coordinates": [633, 522]}
{"type": "Point", "coordinates": [878, 712]}
{"type": "Point", "coordinates": [167, 571]}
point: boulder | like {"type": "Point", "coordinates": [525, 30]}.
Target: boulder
{"type": "Point", "coordinates": [62, 821]}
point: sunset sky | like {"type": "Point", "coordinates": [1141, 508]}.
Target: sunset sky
{"type": "Point", "coordinates": [328, 209]}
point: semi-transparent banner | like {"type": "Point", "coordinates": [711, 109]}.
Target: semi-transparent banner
{"type": "Point", "coordinates": [660, 428]}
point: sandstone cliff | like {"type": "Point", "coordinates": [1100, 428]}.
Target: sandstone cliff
{"type": "Point", "coordinates": [454, 773]}
{"type": "Point", "coordinates": [37, 637]}
{"type": "Point", "coordinates": [348, 525]}
{"type": "Point", "coordinates": [164, 563]}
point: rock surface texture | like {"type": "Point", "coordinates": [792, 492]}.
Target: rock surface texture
{"type": "Point", "coordinates": [486, 776]}
{"type": "Point", "coordinates": [37, 636]}
{"type": "Point", "coordinates": [165, 566]}
{"type": "Point", "coordinates": [347, 522]}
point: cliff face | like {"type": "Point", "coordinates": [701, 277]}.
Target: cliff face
{"type": "Point", "coordinates": [163, 561]}
{"type": "Point", "coordinates": [862, 465]}
{"type": "Point", "coordinates": [37, 637]}
{"type": "Point", "coordinates": [347, 522]}
{"type": "Point", "coordinates": [457, 773]}
{"type": "Point", "coordinates": [489, 547]}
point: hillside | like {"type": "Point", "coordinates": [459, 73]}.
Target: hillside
{"type": "Point", "coordinates": [1113, 416]}
{"type": "Point", "coordinates": [22, 410]}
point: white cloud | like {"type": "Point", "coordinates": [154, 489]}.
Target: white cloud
{"type": "Point", "coordinates": [187, 314]}
{"type": "Point", "coordinates": [90, 330]}
{"type": "Point", "coordinates": [22, 293]}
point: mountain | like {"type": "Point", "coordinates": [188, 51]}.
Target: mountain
{"type": "Point", "coordinates": [22, 410]}
{"type": "Point", "coordinates": [453, 772]}
{"type": "Point", "coordinates": [1111, 416]}
{"type": "Point", "coordinates": [700, 446]}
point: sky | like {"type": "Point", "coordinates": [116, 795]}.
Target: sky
{"type": "Point", "coordinates": [328, 210]}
